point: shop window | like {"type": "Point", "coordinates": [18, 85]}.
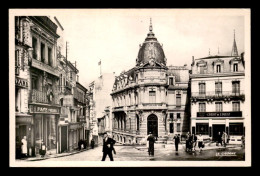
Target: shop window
{"type": "Point", "coordinates": [178, 127]}
{"type": "Point", "coordinates": [152, 96]}
{"type": "Point", "coordinates": [218, 88]}
{"type": "Point", "coordinates": [219, 107]}
{"type": "Point", "coordinates": [202, 128]}
{"type": "Point", "coordinates": [236, 129]}
{"type": "Point", "coordinates": [235, 67]}
{"type": "Point", "coordinates": [202, 88]}
{"type": "Point", "coordinates": [38, 131]}
{"type": "Point", "coordinates": [236, 106]}
{"type": "Point", "coordinates": [202, 107]}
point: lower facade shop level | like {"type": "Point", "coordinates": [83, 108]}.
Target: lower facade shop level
{"type": "Point", "coordinates": [210, 129]}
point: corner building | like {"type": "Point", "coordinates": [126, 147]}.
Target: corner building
{"type": "Point", "coordinates": [217, 96]}
{"type": "Point", "coordinates": [150, 97]}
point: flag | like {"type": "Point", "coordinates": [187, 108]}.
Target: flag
{"type": "Point", "coordinates": [99, 63]}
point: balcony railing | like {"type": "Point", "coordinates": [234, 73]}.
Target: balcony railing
{"type": "Point", "coordinates": [37, 96]}
{"type": "Point", "coordinates": [152, 104]}
{"type": "Point", "coordinates": [217, 94]}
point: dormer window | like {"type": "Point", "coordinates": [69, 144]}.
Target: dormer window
{"type": "Point", "coordinates": [235, 67]}
{"type": "Point", "coordinates": [218, 68]}
{"type": "Point", "coordinates": [171, 81]}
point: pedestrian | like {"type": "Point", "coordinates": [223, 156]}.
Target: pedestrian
{"type": "Point", "coordinates": [107, 147]}
{"type": "Point", "coordinates": [147, 142]}
{"type": "Point", "coordinates": [92, 143]}
{"type": "Point", "coordinates": [200, 142]}
{"type": "Point", "coordinates": [151, 140]}
{"type": "Point", "coordinates": [24, 147]}
{"type": "Point", "coordinates": [187, 141]}
{"type": "Point", "coordinates": [224, 138]}
{"type": "Point", "coordinates": [194, 141]}
{"type": "Point", "coordinates": [176, 142]}
{"type": "Point", "coordinates": [42, 149]}
{"type": "Point", "coordinates": [219, 139]}
{"type": "Point", "coordinates": [113, 148]}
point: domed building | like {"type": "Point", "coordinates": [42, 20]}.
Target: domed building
{"type": "Point", "coordinates": [151, 97]}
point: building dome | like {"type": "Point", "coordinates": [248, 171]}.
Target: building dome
{"type": "Point", "coordinates": [151, 49]}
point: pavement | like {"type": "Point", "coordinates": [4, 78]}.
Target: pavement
{"type": "Point", "coordinates": [140, 153]}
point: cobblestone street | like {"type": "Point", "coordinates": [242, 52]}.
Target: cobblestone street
{"type": "Point", "coordinates": [139, 153]}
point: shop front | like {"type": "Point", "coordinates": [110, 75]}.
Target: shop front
{"type": "Point", "coordinates": [23, 128]}
{"type": "Point", "coordinates": [76, 133]}
{"type": "Point", "coordinates": [45, 122]}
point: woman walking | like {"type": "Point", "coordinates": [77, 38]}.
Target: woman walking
{"type": "Point", "coordinates": [200, 142]}
{"type": "Point", "coordinates": [24, 146]}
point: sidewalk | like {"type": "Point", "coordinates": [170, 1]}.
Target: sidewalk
{"type": "Point", "coordinates": [56, 155]}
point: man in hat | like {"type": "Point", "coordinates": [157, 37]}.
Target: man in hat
{"type": "Point", "coordinates": [107, 147]}
{"type": "Point", "coordinates": [151, 140]}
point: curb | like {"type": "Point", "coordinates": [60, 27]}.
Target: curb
{"type": "Point", "coordinates": [53, 156]}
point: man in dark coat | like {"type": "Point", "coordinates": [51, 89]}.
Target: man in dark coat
{"type": "Point", "coordinates": [107, 147]}
{"type": "Point", "coordinates": [92, 143]}
{"type": "Point", "coordinates": [176, 142]}
{"type": "Point", "coordinates": [219, 139]}
{"type": "Point", "coordinates": [151, 140]}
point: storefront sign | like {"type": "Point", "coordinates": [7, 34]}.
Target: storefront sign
{"type": "Point", "coordinates": [21, 82]}
{"type": "Point", "coordinates": [220, 114]}
{"type": "Point", "coordinates": [74, 126]}
{"type": "Point", "coordinates": [23, 120]}
{"type": "Point", "coordinates": [41, 109]}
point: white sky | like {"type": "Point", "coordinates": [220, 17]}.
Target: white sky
{"type": "Point", "coordinates": [114, 35]}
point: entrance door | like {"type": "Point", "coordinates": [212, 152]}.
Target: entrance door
{"type": "Point", "coordinates": [63, 138]}
{"type": "Point", "coordinates": [216, 129]}
{"type": "Point", "coordinates": [152, 125]}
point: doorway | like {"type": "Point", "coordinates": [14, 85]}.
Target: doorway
{"type": "Point", "coordinates": [216, 129]}
{"type": "Point", "coordinates": [152, 125]}
{"type": "Point", "coordinates": [63, 138]}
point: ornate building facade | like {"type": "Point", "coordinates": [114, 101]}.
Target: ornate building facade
{"type": "Point", "coordinates": [150, 97]}
{"type": "Point", "coordinates": [43, 83]}
{"type": "Point", "coordinates": [217, 96]}
{"type": "Point", "coordinates": [24, 121]}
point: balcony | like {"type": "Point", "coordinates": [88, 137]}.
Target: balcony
{"type": "Point", "coordinates": [42, 66]}
{"type": "Point", "coordinates": [81, 118]}
{"type": "Point", "coordinates": [152, 106]}
{"type": "Point", "coordinates": [68, 85]}
{"type": "Point", "coordinates": [37, 96]}
{"type": "Point", "coordinates": [225, 95]}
